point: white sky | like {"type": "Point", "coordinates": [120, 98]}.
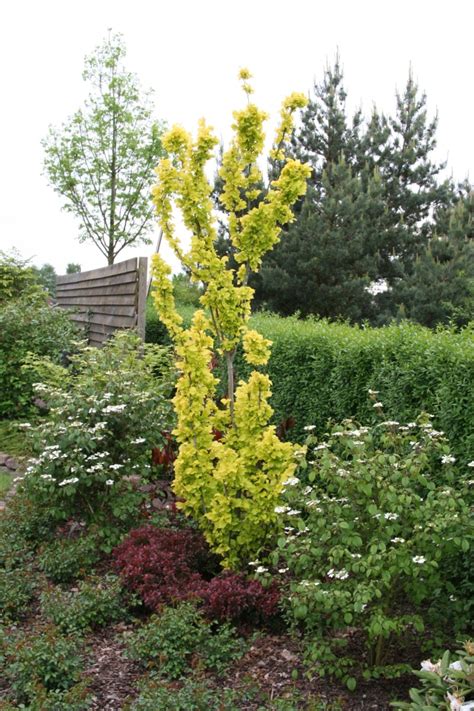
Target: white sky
{"type": "Point", "coordinates": [189, 52]}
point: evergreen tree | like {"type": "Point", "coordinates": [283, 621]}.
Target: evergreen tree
{"type": "Point", "coordinates": [440, 287]}
{"type": "Point", "coordinates": [331, 254]}
{"type": "Point", "coordinates": [367, 215]}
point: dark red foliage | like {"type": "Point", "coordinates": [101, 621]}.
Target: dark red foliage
{"type": "Point", "coordinates": [234, 597]}
{"type": "Point", "coordinates": [164, 565]}
{"type": "Point", "coordinates": [284, 427]}
{"type": "Point", "coordinates": [165, 456]}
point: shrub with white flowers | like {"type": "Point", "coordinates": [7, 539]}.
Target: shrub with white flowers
{"type": "Point", "coordinates": [365, 536]}
{"type": "Point", "coordinates": [106, 411]}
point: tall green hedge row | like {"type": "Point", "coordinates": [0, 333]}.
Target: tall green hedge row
{"type": "Point", "coordinates": [322, 371]}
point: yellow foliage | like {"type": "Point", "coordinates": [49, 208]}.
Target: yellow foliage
{"type": "Point", "coordinates": [231, 482]}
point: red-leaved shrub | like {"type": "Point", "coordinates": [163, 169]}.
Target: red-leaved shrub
{"type": "Point", "coordinates": [164, 565]}
{"type": "Point", "coordinates": [234, 597]}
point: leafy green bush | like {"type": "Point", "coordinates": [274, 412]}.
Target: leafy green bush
{"type": "Point", "coordinates": [95, 603]}
{"type": "Point", "coordinates": [16, 591]}
{"type": "Point", "coordinates": [446, 684]}
{"type": "Point", "coordinates": [193, 695]}
{"type": "Point", "coordinates": [370, 524]}
{"type": "Point", "coordinates": [66, 559]}
{"type": "Point", "coordinates": [322, 371]}
{"type": "Point", "coordinates": [170, 641]}
{"type": "Point", "coordinates": [44, 668]}
{"type": "Point", "coordinates": [17, 279]}
{"type": "Point", "coordinates": [106, 415]}
{"type": "Point", "coordinates": [23, 526]}
{"type": "Point", "coordinates": [28, 325]}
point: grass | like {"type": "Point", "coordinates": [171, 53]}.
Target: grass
{"type": "Point", "coordinates": [5, 483]}
{"type": "Point", "coordinates": [12, 440]}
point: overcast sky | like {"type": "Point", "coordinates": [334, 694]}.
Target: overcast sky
{"type": "Point", "coordinates": [189, 52]}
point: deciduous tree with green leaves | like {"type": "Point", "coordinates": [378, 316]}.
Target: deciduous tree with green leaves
{"type": "Point", "coordinates": [101, 160]}
{"type": "Point", "coordinates": [231, 464]}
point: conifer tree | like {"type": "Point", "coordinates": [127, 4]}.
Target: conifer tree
{"type": "Point", "coordinates": [440, 287]}
{"type": "Point", "coordinates": [331, 254]}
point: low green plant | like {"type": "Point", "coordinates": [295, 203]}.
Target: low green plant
{"type": "Point", "coordinates": [179, 638]}
{"type": "Point", "coordinates": [23, 527]}
{"type": "Point", "coordinates": [95, 603]}
{"type": "Point", "coordinates": [66, 559]}
{"type": "Point", "coordinates": [369, 525]}
{"type": "Point", "coordinates": [43, 665]}
{"type": "Point", "coordinates": [16, 591]}
{"type": "Point", "coordinates": [109, 411]}
{"type": "Point", "coordinates": [446, 684]}
{"type": "Point", "coordinates": [193, 695]}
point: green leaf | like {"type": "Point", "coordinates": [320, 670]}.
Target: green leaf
{"type": "Point", "coordinates": [351, 683]}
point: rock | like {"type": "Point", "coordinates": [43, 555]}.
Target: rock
{"type": "Point", "coordinates": [3, 457]}
{"type": "Point", "coordinates": [11, 463]}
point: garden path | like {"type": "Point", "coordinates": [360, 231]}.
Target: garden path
{"type": "Point", "coordinates": [11, 466]}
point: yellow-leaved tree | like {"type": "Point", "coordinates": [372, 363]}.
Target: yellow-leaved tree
{"type": "Point", "coordinates": [230, 485]}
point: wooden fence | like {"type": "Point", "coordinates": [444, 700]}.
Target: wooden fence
{"type": "Point", "coordinates": [105, 300]}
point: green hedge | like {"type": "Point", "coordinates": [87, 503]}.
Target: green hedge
{"type": "Point", "coordinates": [322, 371]}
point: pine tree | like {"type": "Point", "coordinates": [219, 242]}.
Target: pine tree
{"type": "Point", "coordinates": [440, 287]}
{"type": "Point", "coordinates": [331, 254]}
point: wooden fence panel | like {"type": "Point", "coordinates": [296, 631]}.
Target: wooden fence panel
{"type": "Point", "coordinates": [104, 300]}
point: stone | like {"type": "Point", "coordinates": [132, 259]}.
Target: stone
{"type": "Point", "coordinates": [11, 463]}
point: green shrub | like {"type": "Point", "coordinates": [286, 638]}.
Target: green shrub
{"type": "Point", "coordinates": [28, 325]}
{"type": "Point", "coordinates": [106, 415]}
{"type": "Point", "coordinates": [95, 603]}
{"type": "Point", "coordinates": [448, 683]}
{"type": "Point", "coordinates": [44, 665]}
{"type": "Point", "coordinates": [370, 524]}
{"type": "Point", "coordinates": [170, 641]}
{"type": "Point", "coordinates": [17, 279]}
{"type": "Point", "coordinates": [16, 591]}
{"type": "Point", "coordinates": [322, 372]}
{"type": "Point", "coordinates": [66, 559]}
{"type": "Point", "coordinates": [193, 695]}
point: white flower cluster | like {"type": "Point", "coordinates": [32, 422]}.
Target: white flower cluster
{"type": "Point", "coordinates": [448, 459]}
{"type": "Point", "coordinates": [72, 480]}
{"type": "Point", "coordinates": [338, 574]}
{"type": "Point", "coordinates": [114, 408]}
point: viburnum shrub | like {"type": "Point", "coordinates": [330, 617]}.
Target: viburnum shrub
{"type": "Point", "coordinates": [164, 565]}
{"type": "Point", "coordinates": [369, 525]}
{"type": "Point", "coordinates": [106, 412]}
{"type": "Point", "coordinates": [231, 483]}
{"type": "Point", "coordinates": [236, 598]}
{"type": "Point", "coordinates": [445, 684]}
